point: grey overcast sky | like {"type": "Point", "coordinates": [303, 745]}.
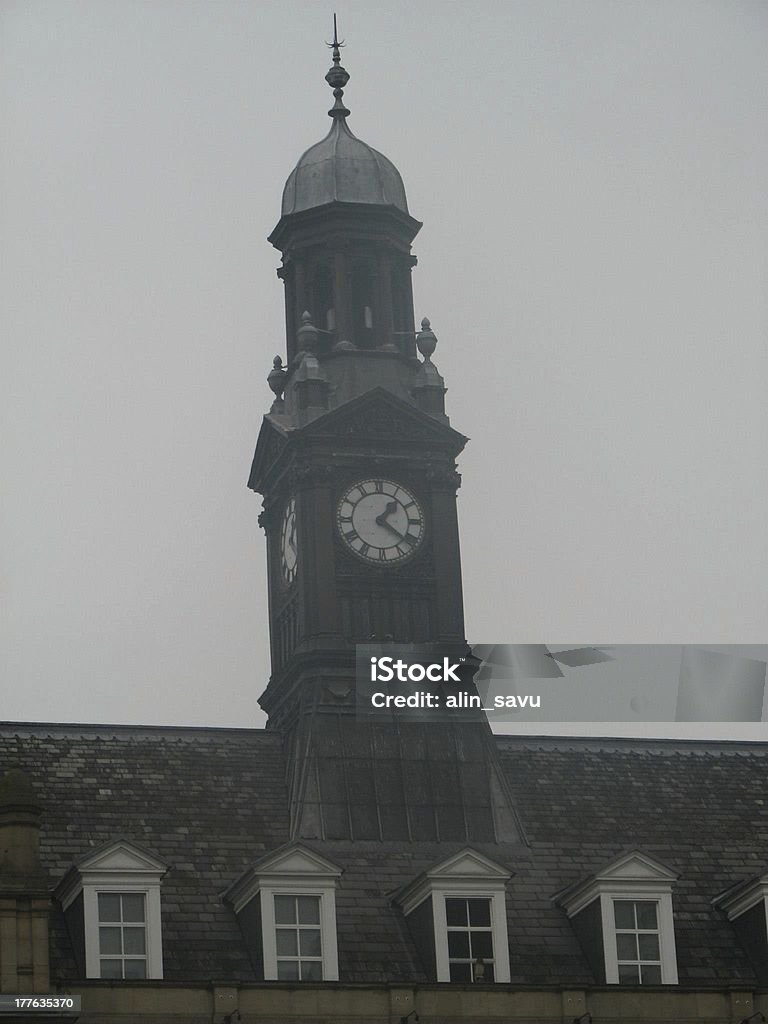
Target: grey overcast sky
{"type": "Point", "coordinates": [592, 181]}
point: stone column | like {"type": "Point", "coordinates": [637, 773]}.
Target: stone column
{"type": "Point", "coordinates": [24, 894]}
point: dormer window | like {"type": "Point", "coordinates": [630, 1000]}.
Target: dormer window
{"type": "Point", "coordinates": [286, 907]}
{"type": "Point", "coordinates": [624, 922]}
{"type": "Point", "coordinates": [456, 913]}
{"type": "Point", "coordinates": [111, 902]}
{"type": "Point", "coordinates": [746, 907]}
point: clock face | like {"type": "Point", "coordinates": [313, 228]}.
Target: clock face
{"type": "Point", "coordinates": [380, 521]}
{"type": "Point", "coordinates": [289, 545]}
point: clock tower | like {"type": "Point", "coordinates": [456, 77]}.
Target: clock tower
{"type": "Point", "coordinates": [356, 462]}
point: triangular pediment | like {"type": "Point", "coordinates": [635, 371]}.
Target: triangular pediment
{"type": "Point", "coordinates": [636, 867]}
{"type": "Point", "coordinates": [380, 415]}
{"type": "Point", "coordinates": [632, 870]}
{"type": "Point", "coordinates": [466, 870]}
{"type": "Point", "coordinates": [121, 856]}
{"type": "Point", "coordinates": [270, 444]}
{"type": "Point", "coordinates": [296, 860]}
{"type": "Point", "coordinates": [466, 864]}
{"type": "Point", "coordinates": [294, 863]}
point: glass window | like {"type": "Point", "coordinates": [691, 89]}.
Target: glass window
{"type": "Point", "coordinates": [470, 939]}
{"type": "Point", "coordinates": [122, 934]}
{"type": "Point", "coordinates": [638, 949]}
{"type": "Point", "coordinates": [297, 938]}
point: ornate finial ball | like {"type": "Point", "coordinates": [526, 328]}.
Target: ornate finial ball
{"type": "Point", "coordinates": [426, 341]}
{"type": "Point", "coordinates": [276, 377]}
{"type": "Point", "coordinates": [307, 334]}
{"type": "Point", "coordinates": [337, 77]}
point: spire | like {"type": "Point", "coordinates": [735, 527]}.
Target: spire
{"type": "Point", "coordinates": [337, 77]}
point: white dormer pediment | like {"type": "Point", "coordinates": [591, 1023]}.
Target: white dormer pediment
{"type": "Point", "coordinates": [633, 873]}
{"type": "Point", "coordinates": [637, 867]}
{"type": "Point", "coordinates": [471, 864]}
{"type": "Point", "coordinates": [119, 863]}
{"type": "Point", "coordinates": [121, 856]}
{"type": "Point", "coordinates": [297, 860]}
{"type": "Point", "coordinates": [294, 865]}
{"type": "Point", "coordinates": [743, 896]}
{"type": "Point", "coordinates": [468, 871]}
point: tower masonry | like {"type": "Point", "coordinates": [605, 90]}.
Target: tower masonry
{"type": "Point", "coordinates": [356, 462]}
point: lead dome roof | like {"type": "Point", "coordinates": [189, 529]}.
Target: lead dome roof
{"type": "Point", "coordinates": [342, 168]}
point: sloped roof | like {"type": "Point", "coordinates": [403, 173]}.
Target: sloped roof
{"type": "Point", "coordinates": [211, 803]}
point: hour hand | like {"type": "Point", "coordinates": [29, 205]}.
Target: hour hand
{"type": "Point", "coordinates": [382, 519]}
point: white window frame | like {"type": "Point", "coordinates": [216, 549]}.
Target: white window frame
{"type": "Point", "coordinates": [328, 943]}
{"type": "Point", "coordinates": [292, 871]}
{"type": "Point", "coordinates": [121, 868]}
{"type": "Point", "coordinates": [666, 926]}
{"type": "Point", "coordinates": [498, 930]}
{"type": "Point", "coordinates": [151, 895]}
{"type": "Point", "coordinates": [466, 875]}
{"type": "Point", "coordinates": [637, 877]}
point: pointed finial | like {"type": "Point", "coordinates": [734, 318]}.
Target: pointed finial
{"type": "Point", "coordinates": [337, 76]}
{"type": "Point", "coordinates": [307, 334]}
{"type": "Point", "coordinates": [426, 341]}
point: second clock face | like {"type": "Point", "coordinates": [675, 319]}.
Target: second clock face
{"type": "Point", "coordinates": [380, 521]}
{"type": "Point", "coordinates": [289, 549]}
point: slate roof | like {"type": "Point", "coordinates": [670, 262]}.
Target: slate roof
{"type": "Point", "coordinates": [212, 802]}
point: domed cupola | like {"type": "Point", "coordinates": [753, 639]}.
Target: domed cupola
{"type": "Point", "coordinates": [342, 168]}
{"type": "Point", "coordinates": [345, 236]}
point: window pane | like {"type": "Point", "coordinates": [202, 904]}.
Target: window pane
{"type": "Point", "coordinates": [626, 947]}
{"type": "Point", "coordinates": [458, 945]}
{"type": "Point", "coordinates": [287, 970]}
{"type": "Point", "coordinates": [480, 913]}
{"type": "Point", "coordinates": [456, 912]}
{"type": "Point", "coordinates": [109, 941]}
{"type": "Point", "coordinates": [311, 970]}
{"type": "Point", "coordinates": [135, 968]}
{"type": "Point", "coordinates": [489, 973]}
{"type": "Point", "coordinates": [309, 941]}
{"type": "Point", "coordinates": [309, 909]}
{"type": "Point", "coordinates": [111, 968]}
{"type": "Point", "coordinates": [646, 914]}
{"type": "Point", "coordinates": [286, 942]}
{"type": "Point", "coordinates": [133, 940]}
{"type": "Point", "coordinates": [285, 910]}
{"type": "Point", "coordinates": [109, 906]}
{"type": "Point", "coordinates": [629, 974]}
{"type": "Point", "coordinates": [649, 947]}
{"type": "Point", "coordinates": [133, 906]}
{"type": "Point", "coordinates": [651, 974]}
{"type": "Point", "coordinates": [482, 945]}
{"type": "Point", "coordinates": [461, 974]}
{"type": "Point", "coordinates": [624, 913]}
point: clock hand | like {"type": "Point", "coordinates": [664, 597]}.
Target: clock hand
{"type": "Point", "coordinates": [400, 536]}
{"type": "Point", "coordinates": [381, 520]}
